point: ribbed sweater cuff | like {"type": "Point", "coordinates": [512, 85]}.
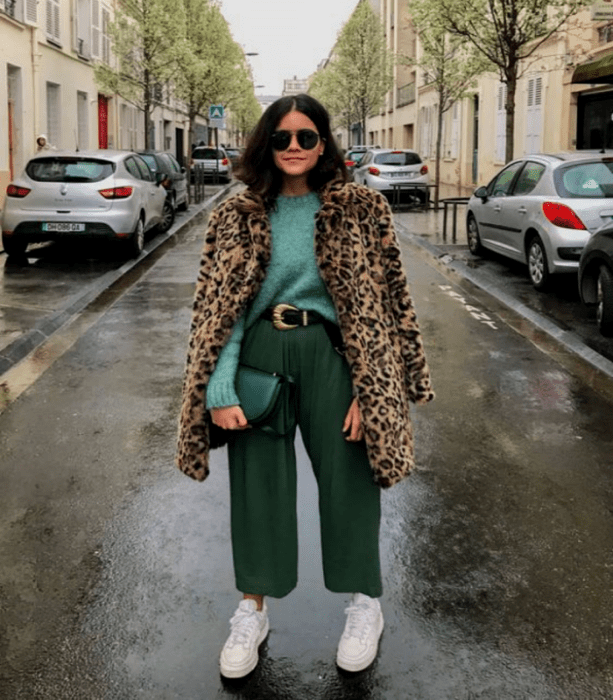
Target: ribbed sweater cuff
{"type": "Point", "coordinates": [221, 394]}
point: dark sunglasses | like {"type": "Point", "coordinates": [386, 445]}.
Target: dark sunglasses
{"type": "Point", "coordinates": [307, 139]}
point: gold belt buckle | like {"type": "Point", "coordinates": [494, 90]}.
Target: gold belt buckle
{"type": "Point", "coordinates": [277, 317]}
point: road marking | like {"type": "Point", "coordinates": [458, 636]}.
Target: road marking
{"type": "Point", "coordinates": [474, 311]}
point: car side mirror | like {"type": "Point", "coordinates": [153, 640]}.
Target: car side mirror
{"type": "Point", "coordinates": [481, 192]}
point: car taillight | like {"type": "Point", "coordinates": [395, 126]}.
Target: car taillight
{"type": "Point", "coordinates": [374, 171]}
{"type": "Point", "coordinates": [424, 170]}
{"type": "Point", "coordinates": [14, 191]}
{"type": "Point", "coordinates": [561, 215]}
{"type": "Point", "coordinates": [116, 192]}
{"type": "Point", "coordinates": [349, 163]}
{"type": "Point", "coordinates": [224, 161]}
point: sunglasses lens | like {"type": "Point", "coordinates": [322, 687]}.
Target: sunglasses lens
{"type": "Point", "coordinates": [307, 139]}
{"type": "Point", "coordinates": [281, 140]}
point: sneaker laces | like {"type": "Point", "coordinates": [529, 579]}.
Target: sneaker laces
{"type": "Point", "coordinates": [360, 620]}
{"type": "Point", "coordinates": [244, 624]}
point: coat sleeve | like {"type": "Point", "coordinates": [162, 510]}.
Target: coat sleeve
{"type": "Point", "coordinates": [193, 435]}
{"type": "Point", "coordinates": [417, 371]}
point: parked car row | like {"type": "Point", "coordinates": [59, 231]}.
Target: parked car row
{"type": "Point", "coordinates": [117, 196]}
{"type": "Point", "coordinates": [555, 214]}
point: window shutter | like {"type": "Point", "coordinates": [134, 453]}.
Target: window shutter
{"type": "Point", "coordinates": [534, 115]}
{"type": "Point", "coordinates": [29, 12]}
{"type": "Point", "coordinates": [53, 19]}
{"type": "Point", "coordinates": [95, 28]}
{"type": "Point", "coordinates": [106, 39]}
{"type": "Point", "coordinates": [455, 131]}
{"type": "Point", "coordinates": [501, 120]}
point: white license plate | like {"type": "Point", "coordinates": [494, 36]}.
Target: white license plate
{"type": "Point", "coordinates": [62, 227]}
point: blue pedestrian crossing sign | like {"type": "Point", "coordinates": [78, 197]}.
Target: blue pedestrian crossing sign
{"type": "Point", "coordinates": [216, 112]}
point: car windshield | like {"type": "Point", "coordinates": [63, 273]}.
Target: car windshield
{"type": "Point", "coordinates": [400, 158]}
{"type": "Point", "coordinates": [355, 155]}
{"type": "Point", "coordinates": [56, 169]}
{"type": "Point", "coordinates": [206, 154]}
{"type": "Point", "coordinates": [587, 180]}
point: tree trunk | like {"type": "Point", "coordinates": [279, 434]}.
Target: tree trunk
{"type": "Point", "coordinates": [510, 112]}
{"type": "Point", "coordinates": [437, 161]}
{"type": "Point", "coordinates": [147, 108]}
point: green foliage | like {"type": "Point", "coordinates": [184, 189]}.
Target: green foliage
{"type": "Point", "coordinates": [360, 72]}
{"type": "Point", "coordinates": [147, 38]}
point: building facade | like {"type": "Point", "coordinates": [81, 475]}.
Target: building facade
{"type": "Point", "coordinates": [47, 86]}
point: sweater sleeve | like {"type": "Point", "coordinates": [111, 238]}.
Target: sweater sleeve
{"type": "Point", "coordinates": [220, 390]}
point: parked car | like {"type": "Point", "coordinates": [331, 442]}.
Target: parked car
{"type": "Point", "coordinates": [540, 210]}
{"type": "Point", "coordinates": [175, 180]}
{"type": "Point", "coordinates": [234, 154]}
{"type": "Point", "coordinates": [214, 161]}
{"type": "Point", "coordinates": [380, 168]}
{"type": "Point", "coordinates": [596, 277]}
{"type": "Point", "coordinates": [103, 194]}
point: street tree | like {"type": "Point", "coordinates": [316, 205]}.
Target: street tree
{"type": "Point", "coordinates": [360, 71]}
{"type": "Point", "coordinates": [327, 87]}
{"type": "Point", "coordinates": [505, 33]}
{"type": "Point", "coordinates": [449, 65]}
{"type": "Point", "coordinates": [213, 69]}
{"type": "Point", "coordinates": [147, 40]}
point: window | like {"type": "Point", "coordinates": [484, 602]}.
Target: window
{"type": "Point", "coordinates": [21, 10]}
{"type": "Point", "coordinates": [132, 168]}
{"type": "Point", "coordinates": [145, 173]}
{"type": "Point", "coordinates": [95, 25]}
{"type": "Point", "coordinates": [501, 184]}
{"type": "Point", "coordinates": [53, 114]}
{"type": "Point", "coordinates": [402, 158]}
{"type": "Point", "coordinates": [52, 24]}
{"type": "Point", "coordinates": [58, 169]}
{"type": "Point", "coordinates": [593, 180]}
{"type": "Point", "coordinates": [605, 34]}
{"type": "Point", "coordinates": [528, 178]}
{"type": "Point", "coordinates": [105, 36]}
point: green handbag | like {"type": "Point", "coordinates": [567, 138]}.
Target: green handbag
{"type": "Point", "coordinates": [265, 399]}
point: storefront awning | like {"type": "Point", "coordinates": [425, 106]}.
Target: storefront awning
{"type": "Point", "coordinates": [598, 71]}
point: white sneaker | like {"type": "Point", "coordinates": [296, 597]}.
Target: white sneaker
{"type": "Point", "coordinates": [249, 628]}
{"type": "Point", "coordinates": [358, 646]}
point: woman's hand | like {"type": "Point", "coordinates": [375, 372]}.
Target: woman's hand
{"type": "Point", "coordinates": [229, 418]}
{"type": "Point", "coordinates": [353, 423]}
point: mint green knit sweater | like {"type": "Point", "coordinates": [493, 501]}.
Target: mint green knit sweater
{"type": "Point", "coordinates": [292, 278]}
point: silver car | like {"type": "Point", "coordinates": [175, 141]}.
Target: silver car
{"type": "Point", "coordinates": [101, 194]}
{"type": "Point", "coordinates": [541, 210]}
{"type": "Point", "coordinates": [213, 161]}
{"type": "Point", "coordinates": [382, 168]}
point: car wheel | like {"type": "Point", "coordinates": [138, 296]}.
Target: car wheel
{"type": "Point", "coordinates": [472, 233]}
{"type": "Point", "coordinates": [136, 242]}
{"type": "Point", "coordinates": [537, 264]}
{"type": "Point", "coordinates": [14, 248]}
{"type": "Point", "coordinates": [604, 310]}
{"type": "Point", "coordinates": [168, 216]}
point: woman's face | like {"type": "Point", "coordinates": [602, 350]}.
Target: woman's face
{"type": "Point", "coordinates": [295, 162]}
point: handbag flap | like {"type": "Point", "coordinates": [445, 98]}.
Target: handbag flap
{"type": "Point", "coordinates": [257, 391]}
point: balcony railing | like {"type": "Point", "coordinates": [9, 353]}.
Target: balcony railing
{"type": "Point", "coordinates": [9, 7]}
{"type": "Point", "coordinates": [405, 95]}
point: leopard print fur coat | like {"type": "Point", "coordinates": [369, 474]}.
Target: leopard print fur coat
{"type": "Point", "coordinates": [359, 260]}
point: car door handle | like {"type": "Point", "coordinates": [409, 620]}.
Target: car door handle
{"type": "Point", "coordinates": [522, 210]}
{"type": "Point", "coordinates": [497, 207]}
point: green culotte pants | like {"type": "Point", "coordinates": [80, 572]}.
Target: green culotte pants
{"type": "Point", "coordinates": [263, 474]}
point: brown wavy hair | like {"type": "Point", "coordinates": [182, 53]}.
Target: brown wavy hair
{"type": "Point", "coordinates": [257, 168]}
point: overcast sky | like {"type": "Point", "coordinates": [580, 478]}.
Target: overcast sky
{"type": "Point", "coordinates": [290, 36]}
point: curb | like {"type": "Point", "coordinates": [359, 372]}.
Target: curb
{"type": "Point", "coordinates": [571, 342]}
{"type": "Point", "coordinates": [40, 332]}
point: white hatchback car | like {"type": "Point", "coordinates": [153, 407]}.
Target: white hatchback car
{"type": "Point", "coordinates": [214, 162]}
{"type": "Point", "coordinates": [83, 194]}
{"type": "Point", "coordinates": [382, 168]}
{"type": "Point", "coordinates": [541, 210]}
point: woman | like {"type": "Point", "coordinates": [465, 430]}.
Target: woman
{"type": "Point", "coordinates": [300, 235]}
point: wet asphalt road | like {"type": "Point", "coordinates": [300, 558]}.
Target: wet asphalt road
{"type": "Point", "coordinates": [116, 580]}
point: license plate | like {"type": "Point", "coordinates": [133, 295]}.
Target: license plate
{"type": "Point", "coordinates": [62, 227]}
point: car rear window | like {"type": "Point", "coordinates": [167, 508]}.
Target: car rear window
{"type": "Point", "coordinates": [54, 169]}
{"type": "Point", "coordinates": [401, 158]}
{"type": "Point", "coordinates": [207, 154]}
{"type": "Point", "coordinates": [585, 180]}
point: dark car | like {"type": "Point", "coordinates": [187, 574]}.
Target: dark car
{"type": "Point", "coordinates": [176, 176]}
{"type": "Point", "coordinates": [596, 277]}
{"type": "Point", "coordinates": [234, 154]}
